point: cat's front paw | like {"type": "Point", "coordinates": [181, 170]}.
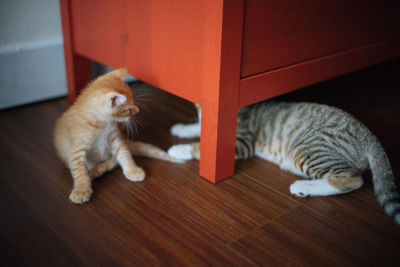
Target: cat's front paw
{"type": "Point", "coordinates": [182, 151]}
{"type": "Point", "coordinates": [186, 130]}
{"type": "Point", "coordinates": [80, 195]}
{"type": "Point", "coordinates": [136, 174]}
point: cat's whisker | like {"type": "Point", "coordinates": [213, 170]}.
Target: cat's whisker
{"type": "Point", "coordinates": [129, 134]}
{"type": "Point", "coordinates": [134, 127]}
{"type": "Point", "coordinates": [143, 100]}
{"type": "Point", "coordinates": [140, 93]}
{"type": "Point", "coordinates": [138, 123]}
{"type": "Point", "coordinates": [143, 95]}
{"type": "Point", "coordinates": [141, 106]}
{"type": "Point", "coordinates": [127, 130]}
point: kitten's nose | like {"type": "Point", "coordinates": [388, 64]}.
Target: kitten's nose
{"type": "Point", "coordinates": [134, 110]}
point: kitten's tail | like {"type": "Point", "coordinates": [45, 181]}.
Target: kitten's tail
{"type": "Point", "coordinates": [150, 151]}
{"type": "Point", "coordinates": [387, 193]}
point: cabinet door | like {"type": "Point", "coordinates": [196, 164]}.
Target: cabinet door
{"type": "Point", "coordinates": [281, 33]}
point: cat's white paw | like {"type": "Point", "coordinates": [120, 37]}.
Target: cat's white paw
{"type": "Point", "coordinates": [174, 159]}
{"type": "Point", "coordinates": [181, 151]}
{"type": "Point", "coordinates": [318, 187]}
{"type": "Point", "coordinates": [300, 189]}
{"type": "Point", "coordinates": [81, 195]}
{"type": "Point", "coordinates": [186, 130]}
{"type": "Point", "coordinates": [135, 175]}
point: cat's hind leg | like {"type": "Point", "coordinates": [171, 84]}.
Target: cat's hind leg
{"type": "Point", "coordinates": [330, 185]}
{"type": "Point", "coordinates": [103, 167]}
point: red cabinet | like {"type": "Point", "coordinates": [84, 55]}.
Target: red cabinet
{"type": "Point", "coordinates": [226, 54]}
{"type": "Point", "coordinates": [282, 33]}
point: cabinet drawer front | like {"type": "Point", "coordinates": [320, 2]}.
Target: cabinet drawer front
{"type": "Point", "coordinates": [281, 33]}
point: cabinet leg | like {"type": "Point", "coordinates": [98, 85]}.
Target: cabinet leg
{"type": "Point", "coordinates": [217, 142]}
{"type": "Point", "coordinates": [78, 75]}
{"type": "Point", "coordinates": [77, 68]}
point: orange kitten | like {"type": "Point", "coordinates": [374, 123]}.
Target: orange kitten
{"type": "Point", "coordinates": [88, 135]}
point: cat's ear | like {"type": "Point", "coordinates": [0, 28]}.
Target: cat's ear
{"type": "Point", "coordinates": [120, 73]}
{"type": "Point", "coordinates": [116, 99]}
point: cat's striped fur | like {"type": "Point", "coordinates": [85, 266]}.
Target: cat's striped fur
{"type": "Point", "coordinates": [316, 141]}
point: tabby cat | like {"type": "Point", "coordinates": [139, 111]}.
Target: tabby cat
{"type": "Point", "coordinates": [89, 138]}
{"type": "Point", "coordinates": [315, 141]}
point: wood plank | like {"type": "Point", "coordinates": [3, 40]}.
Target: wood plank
{"type": "Point", "coordinates": [177, 218]}
{"type": "Point", "coordinates": [342, 230]}
{"type": "Point", "coordinates": [303, 237]}
{"type": "Point", "coordinates": [233, 207]}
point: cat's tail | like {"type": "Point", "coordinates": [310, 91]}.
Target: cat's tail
{"type": "Point", "coordinates": [138, 148]}
{"type": "Point", "coordinates": [387, 193]}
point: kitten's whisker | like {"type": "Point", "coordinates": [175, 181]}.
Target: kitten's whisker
{"type": "Point", "coordinates": [131, 129]}
{"type": "Point", "coordinates": [143, 99]}
{"type": "Point", "coordinates": [141, 106]}
{"type": "Point", "coordinates": [143, 95]}
{"type": "Point", "coordinates": [137, 122]}
{"type": "Point", "coordinates": [134, 126]}
{"type": "Point", "coordinates": [127, 129]}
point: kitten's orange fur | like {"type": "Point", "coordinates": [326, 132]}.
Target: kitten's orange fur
{"type": "Point", "coordinates": [88, 138]}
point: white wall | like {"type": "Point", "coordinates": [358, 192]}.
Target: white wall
{"type": "Point", "coordinates": [31, 52]}
{"type": "Point", "coordinates": [27, 24]}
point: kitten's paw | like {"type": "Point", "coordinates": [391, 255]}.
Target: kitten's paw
{"type": "Point", "coordinates": [81, 195]}
{"type": "Point", "coordinates": [300, 189]}
{"type": "Point", "coordinates": [182, 152]}
{"type": "Point", "coordinates": [135, 175]}
{"type": "Point", "coordinates": [186, 130]}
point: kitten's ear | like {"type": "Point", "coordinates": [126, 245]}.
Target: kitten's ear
{"type": "Point", "coordinates": [116, 99]}
{"type": "Point", "coordinates": [120, 73]}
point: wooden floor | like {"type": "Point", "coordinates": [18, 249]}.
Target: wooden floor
{"type": "Point", "coordinates": [175, 217]}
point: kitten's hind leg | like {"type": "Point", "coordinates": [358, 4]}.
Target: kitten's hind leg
{"type": "Point", "coordinates": [103, 167]}
{"type": "Point", "coordinates": [331, 185]}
